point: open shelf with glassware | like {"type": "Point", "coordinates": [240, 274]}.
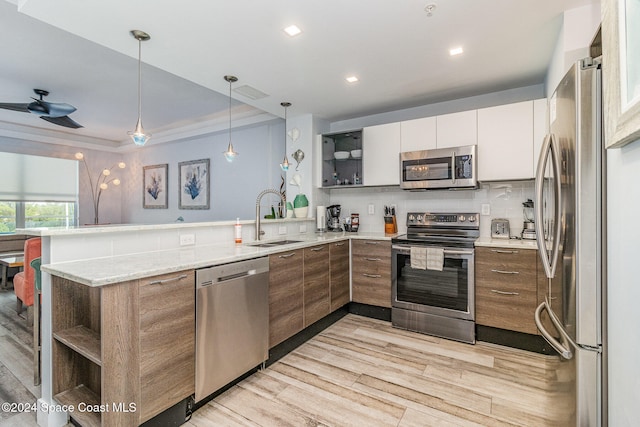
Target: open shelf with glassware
{"type": "Point", "coordinates": [342, 159]}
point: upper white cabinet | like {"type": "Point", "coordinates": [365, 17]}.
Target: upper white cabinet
{"type": "Point", "coordinates": [380, 155]}
{"type": "Point", "coordinates": [457, 129]}
{"type": "Point", "coordinates": [540, 128]}
{"type": "Point", "coordinates": [505, 142]}
{"type": "Point", "coordinates": [418, 134]}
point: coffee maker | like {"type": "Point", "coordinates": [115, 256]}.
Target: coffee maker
{"type": "Point", "coordinates": [333, 218]}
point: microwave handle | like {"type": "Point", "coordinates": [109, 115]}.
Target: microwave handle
{"type": "Point", "coordinates": [453, 167]}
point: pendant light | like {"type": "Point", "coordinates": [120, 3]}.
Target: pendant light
{"type": "Point", "coordinates": [138, 135]}
{"type": "Point", "coordinates": [230, 154]}
{"type": "Point", "coordinates": [285, 163]}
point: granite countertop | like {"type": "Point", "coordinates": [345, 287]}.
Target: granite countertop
{"type": "Point", "coordinates": [108, 270]}
{"type": "Point", "coordinates": [506, 243]}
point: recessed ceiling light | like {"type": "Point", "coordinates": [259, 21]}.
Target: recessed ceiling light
{"type": "Point", "coordinates": [352, 79]}
{"type": "Point", "coordinates": [455, 51]}
{"type": "Point", "coordinates": [292, 30]}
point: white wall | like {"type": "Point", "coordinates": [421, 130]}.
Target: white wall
{"type": "Point", "coordinates": [623, 253]}
{"type": "Point", "coordinates": [579, 26]}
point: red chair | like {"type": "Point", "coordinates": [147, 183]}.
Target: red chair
{"type": "Point", "coordinates": [23, 282]}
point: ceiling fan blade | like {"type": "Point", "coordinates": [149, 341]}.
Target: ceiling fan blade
{"type": "Point", "coordinates": [15, 107]}
{"type": "Point", "coordinates": [65, 121]}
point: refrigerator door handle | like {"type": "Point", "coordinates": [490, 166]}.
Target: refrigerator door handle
{"type": "Point", "coordinates": [549, 151]}
{"type": "Point", "coordinates": [563, 348]}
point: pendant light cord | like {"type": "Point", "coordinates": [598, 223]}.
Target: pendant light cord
{"type": "Point", "coordinates": [139, 80]}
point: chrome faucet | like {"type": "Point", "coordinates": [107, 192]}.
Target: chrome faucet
{"type": "Point", "coordinates": [259, 232]}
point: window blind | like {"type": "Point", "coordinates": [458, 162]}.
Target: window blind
{"type": "Point", "coordinates": [37, 179]}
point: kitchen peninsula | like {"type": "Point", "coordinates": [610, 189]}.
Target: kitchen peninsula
{"type": "Point", "coordinates": [97, 287]}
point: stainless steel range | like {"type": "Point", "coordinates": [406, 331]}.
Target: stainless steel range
{"type": "Point", "coordinates": [433, 275]}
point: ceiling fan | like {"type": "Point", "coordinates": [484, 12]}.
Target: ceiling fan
{"type": "Point", "coordinates": [53, 112]}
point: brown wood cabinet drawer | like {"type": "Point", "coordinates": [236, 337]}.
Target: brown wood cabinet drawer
{"type": "Point", "coordinates": [506, 288]}
{"type": "Point", "coordinates": [371, 272]}
{"type": "Point", "coordinates": [506, 306]}
{"type": "Point", "coordinates": [371, 248]}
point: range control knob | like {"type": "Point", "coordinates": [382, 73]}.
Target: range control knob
{"type": "Point", "coordinates": [472, 218]}
{"type": "Point", "coordinates": [419, 218]}
{"type": "Point", "coordinates": [461, 218]}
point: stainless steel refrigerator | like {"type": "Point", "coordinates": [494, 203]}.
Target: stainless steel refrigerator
{"type": "Point", "coordinates": [570, 220]}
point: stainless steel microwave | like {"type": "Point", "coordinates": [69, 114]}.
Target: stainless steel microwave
{"type": "Point", "coordinates": [451, 168]}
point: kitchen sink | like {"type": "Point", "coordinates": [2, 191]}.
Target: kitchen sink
{"type": "Point", "coordinates": [276, 243]}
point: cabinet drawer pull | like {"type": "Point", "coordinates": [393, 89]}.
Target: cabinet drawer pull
{"type": "Point", "coordinates": [287, 255]}
{"type": "Point", "coordinates": [165, 281]}
{"type": "Point", "coordinates": [495, 291]}
{"type": "Point", "coordinates": [505, 272]}
{"type": "Point", "coordinates": [373, 276]}
{"type": "Point", "coordinates": [340, 244]}
{"type": "Point", "coordinates": [317, 249]}
{"type": "Point", "coordinates": [373, 259]}
{"type": "Point", "coordinates": [502, 251]}
{"type": "Point", "coordinates": [371, 243]}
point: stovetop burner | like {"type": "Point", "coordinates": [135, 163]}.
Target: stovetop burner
{"type": "Point", "coordinates": [441, 229]}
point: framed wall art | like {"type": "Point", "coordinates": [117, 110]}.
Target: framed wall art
{"type": "Point", "coordinates": [154, 187]}
{"type": "Point", "coordinates": [621, 71]}
{"type": "Point", "coordinates": [194, 184]}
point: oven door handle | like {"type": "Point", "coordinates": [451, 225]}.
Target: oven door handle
{"type": "Point", "coordinates": [406, 250]}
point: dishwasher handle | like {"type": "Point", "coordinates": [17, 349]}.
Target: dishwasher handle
{"type": "Point", "coordinates": [235, 276]}
{"type": "Point", "coordinates": [226, 273]}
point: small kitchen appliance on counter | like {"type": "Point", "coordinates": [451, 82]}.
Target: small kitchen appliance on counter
{"type": "Point", "coordinates": [333, 218]}
{"type": "Point", "coordinates": [500, 228]}
{"type": "Point", "coordinates": [529, 225]}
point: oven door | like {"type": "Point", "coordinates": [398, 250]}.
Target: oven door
{"type": "Point", "coordinates": [447, 293]}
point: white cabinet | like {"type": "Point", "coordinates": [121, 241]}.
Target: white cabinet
{"type": "Point", "coordinates": [418, 134]}
{"type": "Point", "coordinates": [540, 128]}
{"type": "Point", "coordinates": [505, 142]}
{"type": "Point", "coordinates": [456, 129]}
{"type": "Point", "coordinates": [380, 155]}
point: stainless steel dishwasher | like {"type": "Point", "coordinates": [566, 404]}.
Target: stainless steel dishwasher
{"type": "Point", "coordinates": [232, 322]}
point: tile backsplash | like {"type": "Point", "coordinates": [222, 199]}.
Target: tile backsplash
{"type": "Point", "coordinates": [504, 198]}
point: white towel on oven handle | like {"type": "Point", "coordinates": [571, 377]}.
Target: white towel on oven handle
{"type": "Point", "coordinates": [435, 259]}
{"type": "Point", "coordinates": [418, 257]}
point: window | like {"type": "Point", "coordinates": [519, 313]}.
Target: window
{"type": "Point", "coordinates": [37, 191]}
{"type": "Point", "coordinates": [36, 214]}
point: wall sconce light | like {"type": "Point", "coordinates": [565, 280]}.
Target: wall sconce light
{"type": "Point", "coordinates": [138, 135]}
{"type": "Point", "coordinates": [285, 163]}
{"type": "Point", "coordinates": [102, 183]}
{"type": "Point", "coordinates": [230, 154]}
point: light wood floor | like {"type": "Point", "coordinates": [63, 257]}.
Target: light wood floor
{"type": "Point", "coordinates": [16, 363]}
{"type": "Point", "coordinates": [358, 372]}
{"type": "Point", "coordinates": [363, 372]}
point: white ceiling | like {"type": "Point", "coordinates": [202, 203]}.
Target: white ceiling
{"type": "Point", "coordinates": [83, 54]}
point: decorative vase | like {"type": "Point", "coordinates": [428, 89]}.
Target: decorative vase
{"type": "Point", "coordinates": [300, 206]}
{"type": "Point", "coordinates": [289, 210]}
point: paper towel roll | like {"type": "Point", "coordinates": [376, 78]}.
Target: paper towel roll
{"type": "Point", "coordinates": [321, 212]}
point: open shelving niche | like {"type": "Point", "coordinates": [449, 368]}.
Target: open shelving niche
{"type": "Point", "coordinates": [337, 169]}
{"type": "Point", "coordinates": [78, 320]}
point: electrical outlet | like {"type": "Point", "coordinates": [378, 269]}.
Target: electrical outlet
{"type": "Point", "coordinates": [303, 228]}
{"type": "Point", "coordinates": [486, 209]}
{"type": "Point", "coordinates": [371, 209]}
{"type": "Point", "coordinates": [282, 229]}
{"type": "Point", "coordinates": [187, 239]}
